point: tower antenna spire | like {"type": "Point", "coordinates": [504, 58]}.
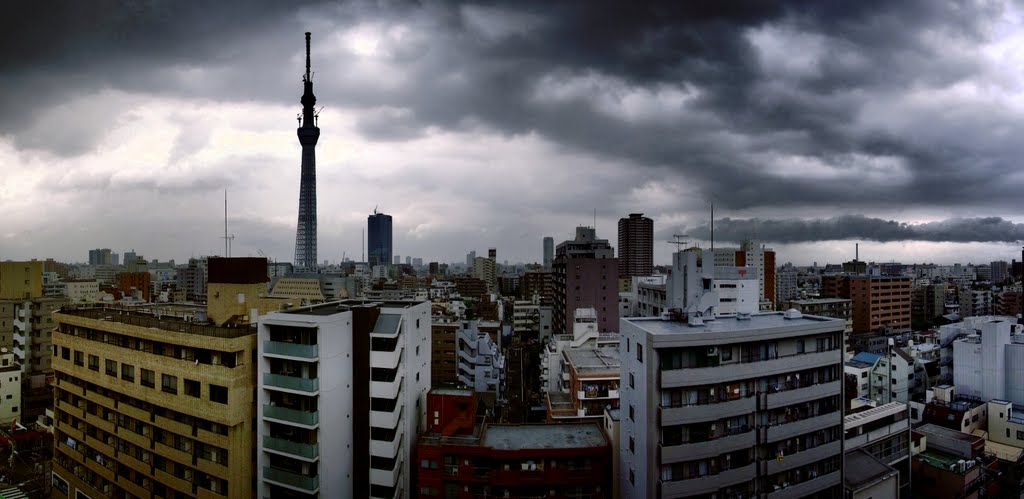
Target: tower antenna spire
{"type": "Point", "coordinates": [308, 78]}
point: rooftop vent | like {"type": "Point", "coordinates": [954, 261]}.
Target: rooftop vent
{"type": "Point", "coordinates": [792, 314]}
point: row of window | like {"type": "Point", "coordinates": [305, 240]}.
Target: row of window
{"type": "Point", "coordinates": [200, 355]}
{"type": "Point", "coordinates": [168, 382]}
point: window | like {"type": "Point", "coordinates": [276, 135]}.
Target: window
{"type": "Point", "coordinates": [864, 374]}
{"type": "Point", "coordinates": [632, 412]}
{"type": "Point", "coordinates": [627, 345]}
{"type": "Point", "coordinates": [632, 445]}
{"type": "Point", "coordinates": [632, 477]}
{"type": "Point", "coordinates": [169, 383]}
{"type": "Point", "coordinates": [799, 346]}
{"type": "Point", "coordinates": [639, 353]}
{"type": "Point", "coordinates": [148, 378]}
{"type": "Point", "coordinates": [726, 353]}
{"type": "Point", "coordinates": [128, 372]}
{"type": "Point", "coordinates": [631, 380]}
{"type": "Point", "coordinates": [1020, 435]}
{"type": "Point", "coordinates": [219, 394]}
{"type": "Point", "coordinates": [192, 388]}
{"type": "Point", "coordinates": [78, 358]}
{"type": "Point", "coordinates": [94, 363]}
{"type": "Point", "coordinates": [65, 353]}
{"type": "Point", "coordinates": [111, 368]}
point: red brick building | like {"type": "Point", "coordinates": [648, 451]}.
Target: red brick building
{"type": "Point", "coordinates": [461, 455]}
{"type": "Point", "coordinates": [138, 280]}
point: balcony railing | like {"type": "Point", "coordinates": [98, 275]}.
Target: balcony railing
{"type": "Point", "coordinates": [291, 382]}
{"type": "Point", "coordinates": [291, 415]}
{"type": "Point", "coordinates": [309, 483]}
{"type": "Point", "coordinates": [308, 451]}
{"type": "Point", "coordinates": [291, 349]}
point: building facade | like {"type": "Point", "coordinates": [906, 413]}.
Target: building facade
{"type": "Point", "coordinates": [378, 239]}
{"type": "Point", "coordinates": [341, 398]}
{"type": "Point", "coordinates": [586, 276]}
{"type": "Point", "coordinates": [734, 406]}
{"type": "Point", "coordinates": [636, 246]}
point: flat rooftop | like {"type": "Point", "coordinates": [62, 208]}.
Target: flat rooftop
{"type": "Point", "coordinates": [162, 322]}
{"type": "Point", "coordinates": [863, 469]}
{"type": "Point", "coordinates": [341, 306]}
{"type": "Point", "coordinates": [821, 301]}
{"type": "Point", "coordinates": [594, 361]}
{"type": "Point", "coordinates": [941, 431]}
{"type": "Point", "coordinates": [768, 320]}
{"type": "Point", "coordinates": [544, 436]}
{"type": "Point", "coordinates": [461, 392]}
{"type": "Point", "coordinates": [939, 459]}
{"type": "Point", "coordinates": [873, 414]}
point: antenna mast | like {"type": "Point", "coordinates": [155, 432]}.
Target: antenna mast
{"type": "Point", "coordinates": [227, 238]}
{"type": "Point", "coordinates": [712, 226]}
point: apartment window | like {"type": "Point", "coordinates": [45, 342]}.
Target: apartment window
{"type": "Point", "coordinates": [799, 346]}
{"type": "Point", "coordinates": [65, 353]}
{"type": "Point", "coordinates": [640, 354]}
{"type": "Point", "coordinates": [632, 477]}
{"type": "Point", "coordinates": [192, 388]}
{"type": "Point", "coordinates": [631, 380]}
{"type": "Point", "coordinates": [632, 412]}
{"type": "Point", "coordinates": [1020, 435]}
{"type": "Point", "coordinates": [111, 368]}
{"type": "Point", "coordinates": [128, 372]}
{"type": "Point", "coordinates": [169, 383]}
{"type": "Point", "coordinates": [78, 358]}
{"type": "Point", "coordinates": [627, 345]}
{"type": "Point", "coordinates": [219, 394]}
{"type": "Point", "coordinates": [632, 445]}
{"type": "Point", "coordinates": [726, 353]}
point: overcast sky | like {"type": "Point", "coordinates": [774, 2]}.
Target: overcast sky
{"type": "Point", "coordinates": [811, 125]}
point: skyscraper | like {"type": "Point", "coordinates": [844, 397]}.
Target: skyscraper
{"type": "Point", "coordinates": [378, 233]}
{"type": "Point", "coordinates": [309, 133]}
{"type": "Point", "coordinates": [549, 252]}
{"type": "Point", "coordinates": [636, 245]}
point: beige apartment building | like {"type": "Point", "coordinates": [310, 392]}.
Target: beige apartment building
{"type": "Point", "coordinates": [153, 403]}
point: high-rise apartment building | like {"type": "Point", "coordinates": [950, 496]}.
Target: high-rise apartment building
{"type": "Point", "coordinates": [101, 256]}
{"type": "Point", "coordinates": [732, 407]}
{"type": "Point", "coordinates": [1000, 270]}
{"type": "Point", "coordinates": [486, 270]}
{"type": "Point", "coordinates": [586, 275]}
{"type": "Point", "coordinates": [378, 238]}
{"type": "Point", "coordinates": [341, 398]}
{"type": "Point", "coordinates": [636, 246]}
{"type": "Point", "coordinates": [309, 134]}
{"type": "Point", "coordinates": [549, 252]}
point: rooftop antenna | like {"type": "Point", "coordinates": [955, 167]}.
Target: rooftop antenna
{"type": "Point", "coordinates": [227, 238]}
{"type": "Point", "coordinates": [680, 241]}
{"type": "Point", "coordinates": [595, 219]}
{"type": "Point", "coordinates": [362, 244]}
{"type": "Point", "coordinates": [712, 226]}
{"type": "Point", "coordinates": [308, 76]}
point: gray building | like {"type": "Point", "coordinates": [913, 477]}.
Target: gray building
{"type": "Point", "coordinates": [549, 252]}
{"type": "Point", "coordinates": [378, 238]}
{"type": "Point", "coordinates": [740, 406]}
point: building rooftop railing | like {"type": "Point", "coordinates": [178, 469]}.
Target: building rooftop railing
{"type": "Point", "coordinates": [162, 322]}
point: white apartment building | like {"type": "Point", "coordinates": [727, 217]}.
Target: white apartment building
{"type": "Point", "coordinates": [341, 398]}
{"type": "Point", "coordinates": [10, 388]}
{"type": "Point", "coordinates": [710, 291]}
{"type": "Point", "coordinates": [585, 334]}
{"type": "Point", "coordinates": [481, 365]}
{"type": "Point", "coordinates": [989, 363]}
{"type": "Point", "coordinates": [739, 406]}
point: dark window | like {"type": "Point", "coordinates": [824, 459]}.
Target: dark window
{"type": "Point", "coordinates": [639, 353]}
{"type": "Point", "coordinates": [631, 380]}
{"type": "Point", "coordinates": [192, 388]}
{"type": "Point", "coordinates": [94, 362]}
{"type": "Point", "coordinates": [65, 353]}
{"type": "Point", "coordinates": [128, 372]}
{"type": "Point", "coordinates": [632, 412]}
{"type": "Point", "coordinates": [111, 367]}
{"type": "Point", "coordinates": [219, 394]}
{"type": "Point", "coordinates": [148, 378]}
{"type": "Point", "coordinates": [632, 445]}
{"type": "Point", "coordinates": [170, 383]}
{"type": "Point", "coordinates": [78, 358]}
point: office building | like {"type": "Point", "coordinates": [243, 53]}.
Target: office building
{"type": "Point", "coordinates": [636, 246]}
{"type": "Point", "coordinates": [308, 133]}
{"type": "Point", "coordinates": [378, 239]}
{"type": "Point", "coordinates": [731, 406]}
{"type": "Point", "coordinates": [549, 253]}
{"type": "Point", "coordinates": [463, 456]}
{"type": "Point", "coordinates": [752, 254]}
{"type": "Point", "coordinates": [155, 401]}
{"type": "Point", "coordinates": [101, 257]}
{"type": "Point", "coordinates": [341, 398]}
{"type": "Point", "coordinates": [586, 276]}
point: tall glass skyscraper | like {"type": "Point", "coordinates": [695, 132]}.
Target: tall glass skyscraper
{"type": "Point", "coordinates": [378, 229]}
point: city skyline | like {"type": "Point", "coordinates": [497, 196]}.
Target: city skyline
{"type": "Point", "coordinates": [482, 126]}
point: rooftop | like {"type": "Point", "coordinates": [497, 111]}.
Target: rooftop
{"type": "Point", "coordinates": [461, 392]}
{"type": "Point", "coordinates": [593, 361]}
{"type": "Point", "coordinates": [863, 469]}
{"type": "Point", "coordinates": [767, 320]}
{"type": "Point", "coordinates": [947, 433]}
{"type": "Point", "coordinates": [821, 301]}
{"type": "Point", "coordinates": [873, 414]}
{"type": "Point", "coordinates": [544, 436]}
{"type": "Point", "coordinates": [341, 306]}
{"type": "Point", "coordinates": [162, 322]}
{"type": "Point", "coordinates": [939, 459]}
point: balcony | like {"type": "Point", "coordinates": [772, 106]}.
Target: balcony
{"type": "Point", "coordinates": [386, 360]}
{"type": "Point", "coordinates": [284, 414]}
{"type": "Point", "coordinates": [600, 394]}
{"type": "Point", "coordinates": [676, 378]}
{"type": "Point", "coordinates": [807, 488]}
{"type": "Point", "coordinates": [707, 484]}
{"type": "Point", "coordinates": [293, 480]}
{"type": "Point", "coordinates": [19, 353]}
{"type": "Point", "coordinates": [701, 450]}
{"type": "Point", "coordinates": [386, 419]}
{"type": "Point", "coordinates": [382, 448]}
{"type": "Point", "coordinates": [804, 458]}
{"type": "Point", "coordinates": [798, 395]}
{"type": "Point", "coordinates": [308, 452]}
{"type": "Point", "coordinates": [306, 385]}
{"type": "Point", "coordinates": [291, 350]}
{"type": "Point", "coordinates": [795, 428]}
{"type": "Point", "coordinates": [707, 412]}
{"type": "Point", "coordinates": [386, 389]}
{"type": "Point", "coordinates": [386, 478]}
{"type": "Point", "coordinates": [19, 338]}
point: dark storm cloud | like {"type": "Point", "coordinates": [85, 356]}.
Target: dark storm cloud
{"type": "Point", "coordinates": [960, 230]}
{"type": "Point", "coordinates": [749, 131]}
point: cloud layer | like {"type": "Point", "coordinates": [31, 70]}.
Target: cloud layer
{"type": "Point", "coordinates": [481, 124]}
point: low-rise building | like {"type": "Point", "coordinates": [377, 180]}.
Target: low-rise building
{"type": "Point", "coordinates": [481, 365]}
{"type": "Point", "coordinates": [884, 433]}
{"type": "Point", "coordinates": [593, 385]}
{"type": "Point", "coordinates": [462, 456]}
